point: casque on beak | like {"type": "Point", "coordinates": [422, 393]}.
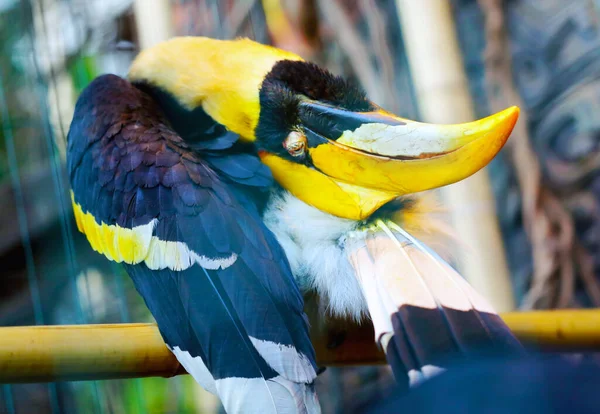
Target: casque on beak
{"type": "Point", "coordinates": [373, 157]}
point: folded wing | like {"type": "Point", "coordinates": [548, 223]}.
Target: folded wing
{"type": "Point", "coordinates": [212, 275]}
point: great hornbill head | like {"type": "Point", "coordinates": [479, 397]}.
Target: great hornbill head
{"type": "Point", "coordinates": [323, 140]}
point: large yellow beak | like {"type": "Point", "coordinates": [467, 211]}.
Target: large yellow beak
{"type": "Point", "coordinates": [360, 161]}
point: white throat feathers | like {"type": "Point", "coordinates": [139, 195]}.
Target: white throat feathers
{"type": "Point", "coordinates": [314, 244]}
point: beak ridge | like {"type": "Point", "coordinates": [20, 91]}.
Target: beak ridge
{"type": "Point", "coordinates": [408, 157]}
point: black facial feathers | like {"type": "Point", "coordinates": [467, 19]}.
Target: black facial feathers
{"type": "Point", "coordinates": [316, 83]}
{"type": "Point", "coordinates": [282, 91]}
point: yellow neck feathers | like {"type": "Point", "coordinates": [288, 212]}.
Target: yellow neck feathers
{"type": "Point", "coordinates": [222, 76]}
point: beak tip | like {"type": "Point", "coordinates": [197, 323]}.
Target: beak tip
{"type": "Point", "coordinates": [508, 118]}
{"type": "Point", "coordinates": [512, 114]}
{"type": "Point", "coordinates": [515, 111]}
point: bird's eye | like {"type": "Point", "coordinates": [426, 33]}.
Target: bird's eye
{"type": "Point", "coordinates": [295, 144]}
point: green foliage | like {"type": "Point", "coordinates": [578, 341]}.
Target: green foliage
{"type": "Point", "coordinates": [83, 69]}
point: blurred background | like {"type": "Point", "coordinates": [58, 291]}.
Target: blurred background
{"type": "Point", "coordinates": [540, 205]}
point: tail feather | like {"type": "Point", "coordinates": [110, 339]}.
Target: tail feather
{"type": "Point", "coordinates": [424, 313]}
{"type": "Point", "coordinates": [471, 302]}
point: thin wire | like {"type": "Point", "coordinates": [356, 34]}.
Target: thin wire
{"type": "Point", "coordinates": [120, 289]}
{"type": "Point", "coordinates": [20, 201]}
{"type": "Point", "coordinates": [34, 288]}
{"type": "Point", "coordinates": [252, 28]}
{"type": "Point", "coordinates": [216, 12]}
{"type": "Point", "coordinates": [65, 224]}
{"type": "Point", "coordinates": [24, 230]}
{"type": "Point", "coordinates": [8, 399]}
{"type": "Point", "coordinates": [126, 318]}
{"type": "Point", "coordinates": [117, 272]}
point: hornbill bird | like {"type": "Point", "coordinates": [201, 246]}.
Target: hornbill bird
{"type": "Point", "coordinates": [229, 177]}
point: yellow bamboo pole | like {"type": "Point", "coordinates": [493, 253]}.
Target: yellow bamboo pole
{"type": "Point", "coordinates": [85, 352]}
{"type": "Point", "coordinates": [82, 352]}
{"type": "Point", "coordinates": [564, 330]}
{"type": "Point", "coordinates": [443, 96]}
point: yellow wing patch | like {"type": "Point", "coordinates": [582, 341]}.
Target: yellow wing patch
{"type": "Point", "coordinates": [136, 245]}
{"type": "Point", "coordinates": [116, 243]}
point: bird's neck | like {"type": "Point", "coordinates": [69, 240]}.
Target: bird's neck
{"type": "Point", "coordinates": [314, 243]}
{"type": "Point", "coordinates": [318, 244]}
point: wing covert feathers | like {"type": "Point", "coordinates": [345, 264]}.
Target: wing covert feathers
{"type": "Point", "coordinates": [212, 275]}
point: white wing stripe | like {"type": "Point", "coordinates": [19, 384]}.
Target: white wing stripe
{"type": "Point", "coordinates": [285, 360]}
{"type": "Point", "coordinates": [176, 255]}
{"type": "Point", "coordinates": [196, 368]}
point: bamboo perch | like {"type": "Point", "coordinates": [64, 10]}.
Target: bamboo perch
{"type": "Point", "coordinates": [86, 352]}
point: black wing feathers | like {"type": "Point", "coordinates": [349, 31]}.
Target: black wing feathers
{"type": "Point", "coordinates": [129, 168]}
